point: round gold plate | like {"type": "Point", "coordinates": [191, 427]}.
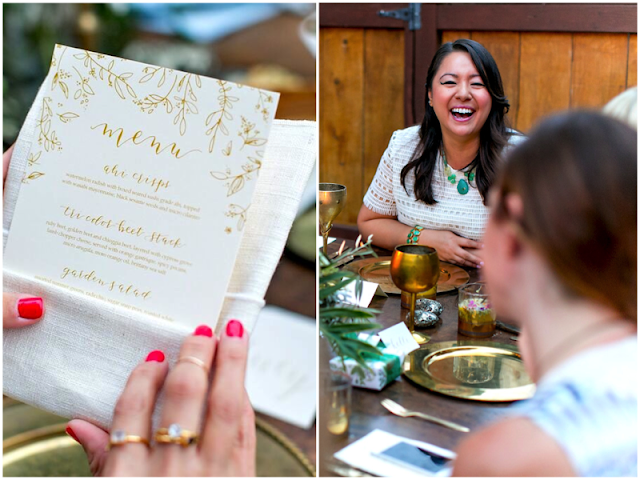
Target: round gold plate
{"type": "Point", "coordinates": [376, 270]}
{"type": "Point", "coordinates": [473, 370]}
{"type": "Point", "coordinates": [35, 445]}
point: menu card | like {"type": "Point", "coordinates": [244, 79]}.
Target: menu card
{"type": "Point", "coordinates": [138, 184]}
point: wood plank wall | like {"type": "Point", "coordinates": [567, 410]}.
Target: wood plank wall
{"type": "Point", "coordinates": [362, 88]}
{"type": "Point", "coordinates": [361, 105]}
{"type": "Point", "coordinates": [548, 72]}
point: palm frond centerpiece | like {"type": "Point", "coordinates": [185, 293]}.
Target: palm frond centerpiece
{"type": "Point", "coordinates": [340, 322]}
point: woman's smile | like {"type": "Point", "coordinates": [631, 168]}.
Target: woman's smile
{"type": "Point", "coordinates": [462, 114]}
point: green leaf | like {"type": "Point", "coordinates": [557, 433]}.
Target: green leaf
{"type": "Point", "coordinates": [341, 328]}
{"type": "Point", "coordinates": [337, 275]}
{"type": "Point", "coordinates": [343, 312]}
{"type": "Point", "coordinates": [327, 291]}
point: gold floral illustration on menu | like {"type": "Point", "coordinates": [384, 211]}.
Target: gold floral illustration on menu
{"type": "Point", "coordinates": [166, 91]}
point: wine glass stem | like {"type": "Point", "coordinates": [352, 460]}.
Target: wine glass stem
{"type": "Point", "coordinates": [412, 312]}
{"type": "Point", "coordinates": [325, 238]}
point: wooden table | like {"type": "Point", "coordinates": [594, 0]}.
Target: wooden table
{"type": "Point", "coordinates": [367, 413]}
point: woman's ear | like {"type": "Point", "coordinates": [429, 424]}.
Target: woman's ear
{"type": "Point", "coordinates": [515, 207]}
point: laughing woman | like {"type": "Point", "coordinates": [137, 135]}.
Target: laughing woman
{"type": "Point", "coordinates": [432, 182]}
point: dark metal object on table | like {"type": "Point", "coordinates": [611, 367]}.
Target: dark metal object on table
{"type": "Point", "coordinates": [428, 305]}
{"type": "Point", "coordinates": [427, 312]}
{"type": "Point", "coordinates": [424, 319]}
{"type": "Point", "coordinates": [507, 328]}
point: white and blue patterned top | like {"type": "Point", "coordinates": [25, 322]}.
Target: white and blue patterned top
{"type": "Point", "coordinates": [589, 406]}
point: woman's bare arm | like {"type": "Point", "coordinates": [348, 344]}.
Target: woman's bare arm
{"type": "Point", "coordinates": [511, 448]}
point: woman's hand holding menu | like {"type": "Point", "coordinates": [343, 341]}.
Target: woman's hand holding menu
{"type": "Point", "coordinates": [207, 425]}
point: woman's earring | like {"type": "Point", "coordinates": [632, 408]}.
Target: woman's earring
{"type": "Point", "coordinates": [430, 103]}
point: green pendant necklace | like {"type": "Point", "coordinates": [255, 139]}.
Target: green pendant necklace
{"type": "Point", "coordinates": [463, 185]}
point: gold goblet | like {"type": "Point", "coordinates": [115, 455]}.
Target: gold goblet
{"type": "Point", "coordinates": [415, 269]}
{"type": "Point", "coordinates": [332, 199]}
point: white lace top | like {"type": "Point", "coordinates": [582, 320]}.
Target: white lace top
{"type": "Point", "coordinates": [464, 215]}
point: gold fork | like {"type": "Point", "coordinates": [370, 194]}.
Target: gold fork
{"type": "Point", "coordinates": [399, 410]}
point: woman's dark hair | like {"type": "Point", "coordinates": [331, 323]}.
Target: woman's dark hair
{"type": "Point", "coordinates": [577, 178]}
{"type": "Point", "coordinates": [493, 135]}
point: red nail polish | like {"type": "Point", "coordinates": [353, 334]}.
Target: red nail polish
{"type": "Point", "coordinates": [235, 328]}
{"type": "Point", "coordinates": [155, 356]}
{"type": "Point", "coordinates": [30, 308]}
{"type": "Point", "coordinates": [203, 331]}
{"type": "Point", "coordinates": [71, 434]}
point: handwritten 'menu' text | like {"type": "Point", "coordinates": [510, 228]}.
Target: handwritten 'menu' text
{"type": "Point", "coordinates": [138, 138]}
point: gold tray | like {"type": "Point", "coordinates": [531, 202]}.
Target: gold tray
{"type": "Point", "coordinates": [473, 370]}
{"type": "Point", "coordinates": [35, 445]}
{"type": "Point", "coordinates": [376, 270]}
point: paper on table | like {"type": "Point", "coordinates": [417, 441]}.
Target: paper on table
{"type": "Point", "coordinates": [281, 372]}
{"type": "Point", "coordinates": [360, 455]}
{"type": "Point", "coordinates": [369, 290]}
{"type": "Point", "coordinates": [399, 337]}
{"type": "Point", "coordinates": [138, 170]}
{"type": "Point", "coordinates": [319, 243]}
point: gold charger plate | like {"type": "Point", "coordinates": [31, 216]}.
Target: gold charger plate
{"type": "Point", "coordinates": [35, 445]}
{"type": "Point", "coordinates": [473, 370]}
{"type": "Point", "coordinates": [376, 270]}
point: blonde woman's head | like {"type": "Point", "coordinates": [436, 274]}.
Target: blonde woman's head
{"type": "Point", "coordinates": [624, 107]}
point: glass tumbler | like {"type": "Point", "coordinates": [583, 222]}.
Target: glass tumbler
{"type": "Point", "coordinates": [476, 317]}
{"type": "Point", "coordinates": [337, 395]}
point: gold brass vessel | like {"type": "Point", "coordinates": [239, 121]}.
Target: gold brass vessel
{"type": "Point", "coordinates": [414, 269]}
{"type": "Point", "coordinates": [332, 198]}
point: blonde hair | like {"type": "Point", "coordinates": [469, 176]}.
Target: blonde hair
{"type": "Point", "coordinates": [624, 107]}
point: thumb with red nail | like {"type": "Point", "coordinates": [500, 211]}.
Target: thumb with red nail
{"type": "Point", "coordinates": [21, 310]}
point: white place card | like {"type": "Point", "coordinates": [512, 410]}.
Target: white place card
{"type": "Point", "coordinates": [362, 454]}
{"type": "Point", "coordinates": [319, 243]}
{"type": "Point", "coordinates": [369, 290]}
{"type": "Point", "coordinates": [281, 372]}
{"type": "Point", "coordinates": [139, 183]}
{"type": "Point", "coordinates": [399, 338]}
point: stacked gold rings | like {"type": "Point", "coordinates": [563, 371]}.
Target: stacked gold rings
{"type": "Point", "coordinates": [175, 434]}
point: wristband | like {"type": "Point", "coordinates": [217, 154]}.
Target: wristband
{"type": "Point", "coordinates": [414, 235]}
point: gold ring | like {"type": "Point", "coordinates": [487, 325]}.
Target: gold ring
{"type": "Point", "coordinates": [177, 435]}
{"type": "Point", "coordinates": [120, 437]}
{"type": "Point", "coordinates": [195, 361]}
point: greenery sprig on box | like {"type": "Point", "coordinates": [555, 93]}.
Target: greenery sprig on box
{"type": "Point", "coordinates": [340, 322]}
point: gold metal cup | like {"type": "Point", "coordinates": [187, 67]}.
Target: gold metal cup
{"type": "Point", "coordinates": [405, 298]}
{"type": "Point", "coordinates": [414, 269]}
{"type": "Point", "coordinates": [332, 198]}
